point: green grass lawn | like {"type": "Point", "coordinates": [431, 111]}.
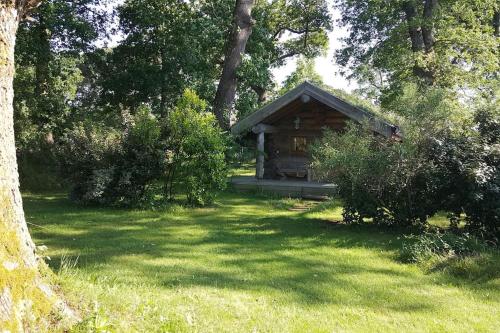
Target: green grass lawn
{"type": "Point", "coordinates": [249, 264]}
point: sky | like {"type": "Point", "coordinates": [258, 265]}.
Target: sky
{"type": "Point", "coordinates": [325, 65]}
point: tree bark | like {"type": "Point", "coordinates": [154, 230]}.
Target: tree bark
{"type": "Point", "coordinates": [226, 91]}
{"type": "Point", "coordinates": [496, 23]}
{"type": "Point", "coordinates": [19, 248]}
{"type": "Point", "coordinates": [428, 24]}
{"type": "Point", "coordinates": [421, 35]}
{"type": "Point", "coordinates": [417, 41]}
{"type": "Point", "coordinates": [261, 93]}
{"type": "Point", "coordinates": [9, 177]}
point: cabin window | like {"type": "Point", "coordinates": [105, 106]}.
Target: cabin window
{"type": "Point", "coordinates": [299, 144]}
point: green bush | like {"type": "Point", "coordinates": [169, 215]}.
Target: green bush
{"type": "Point", "coordinates": [448, 159]}
{"type": "Point", "coordinates": [145, 163]}
{"type": "Point", "coordinates": [197, 151]}
{"type": "Point", "coordinates": [423, 247]}
{"type": "Point", "coordinates": [110, 166]}
{"type": "Point", "coordinates": [469, 165]}
{"type": "Point", "coordinates": [380, 179]}
{"type": "Point", "coordinates": [86, 156]}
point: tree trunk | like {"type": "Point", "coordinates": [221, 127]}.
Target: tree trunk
{"type": "Point", "coordinates": [496, 23]}
{"type": "Point", "coordinates": [17, 250]}
{"type": "Point", "coordinates": [428, 24]}
{"type": "Point", "coordinates": [226, 91]}
{"type": "Point", "coordinates": [421, 36]}
{"type": "Point", "coordinates": [9, 178]}
{"type": "Point", "coordinates": [417, 42]}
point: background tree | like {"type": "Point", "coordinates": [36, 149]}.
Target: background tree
{"type": "Point", "coordinates": [50, 51]}
{"type": "Point", "coordinates": [283, 30]}
{"type": "Point", "coordinates": [48, 57]}
{"type": "Point", "coordinates": [235, 48]}
{"type": "Point", "coordinates": [155, 61]}
{"type": "Point", "coordinates": [450, 44]}
{"type": "Point", "coordinates": [304, 71]}
{"type": "Point", "coordinates": [169, 47]}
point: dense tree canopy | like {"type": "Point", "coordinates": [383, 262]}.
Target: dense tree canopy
{"type": "Point", "coordinates": [48, 54]}
{"type": "Point", "coordinates": [451, 44]}
{"type": "Point", "coordinates": [169, 47]}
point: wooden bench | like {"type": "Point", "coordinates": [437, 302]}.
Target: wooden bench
{"type": "Point", "coordinates": [297, 167]}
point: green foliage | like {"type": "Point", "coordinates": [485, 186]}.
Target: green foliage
{"type": "Point", "coordinates": [304, 71]}
{"type": "Point", "coordinates": [49, 55]}
{"type": "Point", "coordinates": [464, 53]}
{"type": "Point", "coordinates": [197, 150]}
{"type": "Point", "coordinates": [49, 52]}
{"type": "Point", "coordinates": [37, 115]}
{"type": "Point", "coordinates": [469, 165]}
{"type": "Point", "coordinates": [169, 47]}
{"type": "Point", "coordinates": [105, 165]}
{"type": "Point", "coordinates": [87, 154]}
{"type": "Point", "coordinates": [145, 162]}
{"type": "Point", "coordinates": [386, 181]}
{"type": "Point", "coordinates": [391, 182]}
{"type": "Point", "coordinates": [423, 247]}
{"type": "Point", "coordinates": [160, 56]}
{"type": "Point", "coordinates": [447, 159]}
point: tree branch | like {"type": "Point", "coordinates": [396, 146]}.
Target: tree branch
{"type": "Point", "coordinates": [284, 56]}
{"type": "Point", "coordinates": [417, 42]}
{"type": "Point", "coordinates": [294, 31]}
{"type": "Point", "coordinates": [260, 91]}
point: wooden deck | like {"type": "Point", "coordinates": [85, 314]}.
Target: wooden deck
{"type": "Point", "coordinates": [288, 188]}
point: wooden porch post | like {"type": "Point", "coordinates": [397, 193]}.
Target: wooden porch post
{"type": "Point", "coordinates": [260, 156]}
{"type": "Point", "coordinates": [260, 130]}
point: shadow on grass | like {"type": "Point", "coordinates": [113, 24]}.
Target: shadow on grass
{"type": "Point", "coordinates": [242, 244]}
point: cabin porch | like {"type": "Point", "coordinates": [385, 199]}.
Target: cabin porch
{"type": "Point", "coordinates": [289, 188]}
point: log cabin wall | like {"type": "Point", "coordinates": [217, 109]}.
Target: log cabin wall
{"type": "Point", "coordinates": [281, 147]}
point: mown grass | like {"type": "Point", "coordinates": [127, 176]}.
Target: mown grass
{"type": "Point", "coordinates": [249, 264]}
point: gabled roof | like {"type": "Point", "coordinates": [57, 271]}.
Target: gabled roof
{"type": "Point", "coordinates": [379, 125]}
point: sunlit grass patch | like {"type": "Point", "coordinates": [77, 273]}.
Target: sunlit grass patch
{"type": "Point", "coordinates": [251, 263]}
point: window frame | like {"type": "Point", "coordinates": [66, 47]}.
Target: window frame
{"type": "Point", "coordinates": [295, 144]}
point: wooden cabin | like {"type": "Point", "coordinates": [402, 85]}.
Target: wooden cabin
{"type": "Point", "coordinates": [285, 128]}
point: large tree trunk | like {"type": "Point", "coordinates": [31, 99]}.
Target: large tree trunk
{"type": "Point", "coordinates": [21, 284]}
{"type": "Point", "coordinates": [226, 91]}
{"type": "Point", "coordinates": [428, 24]}
{"type": "Point", "coordinates": [421, 35]}
{"type": "Point", "coordinates": [9, 179]}
{"type": "Point", "coordinates": [417, 42]}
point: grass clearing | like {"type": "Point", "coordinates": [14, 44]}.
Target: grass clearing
{"type": "Point", "coordinates": [249, 264]}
